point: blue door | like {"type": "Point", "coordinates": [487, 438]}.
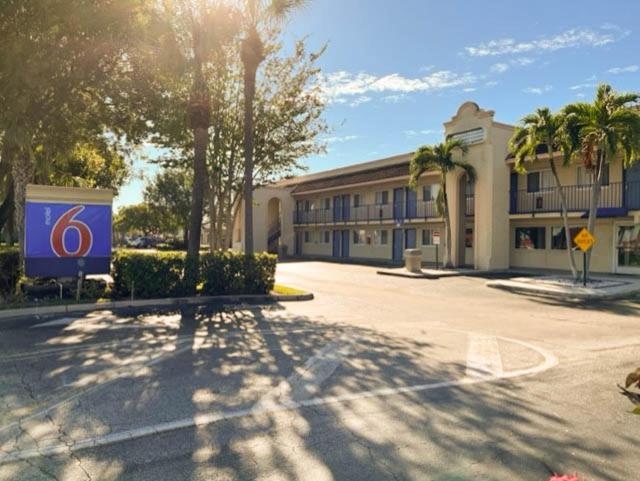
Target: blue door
{"type": "Point", "coordinates": [410, 238]}
{"type": "Point", "coordinates": [412, 204]}
{"type": "Point", "coordinates": [337, 208]}
{"type": "Point", "coordinates": [297, 248]}
{"type": "Point", "coordinates": [346, 207]}
{"type": "Point", "coordinates": [513, 193]}
{"type": "Point", "coordinates": [398, 203]}
{"type": "Point", "coordinates": [337, 238]}
{"type": "Point", "coordinates": [398, 245]}
{"type": "Point", "coordinates": [345, 243]}
{"type": "Point", "coordinates": [632, 187]}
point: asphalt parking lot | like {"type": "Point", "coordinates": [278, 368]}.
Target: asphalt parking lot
{"type": "Point", "coordinates": [377, 378]}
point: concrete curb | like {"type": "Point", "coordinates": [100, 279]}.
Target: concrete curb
{"type": "Point", "coordinates": [585, 295]}
{"type": "Point", "coordinates": [425, 274]}
{"type": "Point", "coordinates": [171, 301]}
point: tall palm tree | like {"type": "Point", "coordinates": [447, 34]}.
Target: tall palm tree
{"type": "Point", "coordinates": [439, 158]}
{"type": "Point", "coordinates": [544, 128]}
{"type": "Point", "coordinates": [601, 130]}
{"type": "Point", "coordinates": [197, 30]}
{"type": "Point", "coordinates": [256, 15]}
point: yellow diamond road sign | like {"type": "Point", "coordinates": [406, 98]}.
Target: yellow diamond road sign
{"type": "Point", "coordinates": [584, 240]}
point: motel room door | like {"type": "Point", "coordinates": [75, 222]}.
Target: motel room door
{"type": "Point", "coordinates": [345, 244]}
{"type": "Point", "coordinates": [337, 240]}
{"type": "Point", "coordinates": [297, 248]}
{"type": "Point", "coordinates": [627, 248]}
{"type": "Point", "coordinates": [398, 245]}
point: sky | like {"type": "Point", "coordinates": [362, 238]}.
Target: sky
{"type": "Point", "coordinates": [395, 70]}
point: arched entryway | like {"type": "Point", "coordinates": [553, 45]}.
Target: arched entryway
{"type": "Point", "coordinates": [274, 225]}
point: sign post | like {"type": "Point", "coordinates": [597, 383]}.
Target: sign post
{"type": "Point", "coordinates": [67, 231]}
{"type": "Point", "coordinates": [435, 240]}
{"type": "Point", "coordinates": [585, 241]}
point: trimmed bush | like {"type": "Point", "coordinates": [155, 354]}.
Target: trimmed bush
{"type": "Point", "coordinates": [154, 274]}
{"type": "Point", "coordinates": [228, 272]}
{"type": "Point", "coordinates": [9, 271]}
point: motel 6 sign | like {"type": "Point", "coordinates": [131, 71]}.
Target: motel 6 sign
{"type": "Point", "coordinates": [67, 231]}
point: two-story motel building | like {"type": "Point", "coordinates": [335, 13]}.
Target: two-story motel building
{"type": "Point", "coordinates": [504, 220]}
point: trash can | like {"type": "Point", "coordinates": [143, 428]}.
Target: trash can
{"type": "Point", "coordinates": [413, 260]}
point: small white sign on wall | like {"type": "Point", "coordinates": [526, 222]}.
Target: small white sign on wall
{"type": "Point", "coordinates": [435, 238]}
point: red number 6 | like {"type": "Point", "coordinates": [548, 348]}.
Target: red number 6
{"type": "Point", "coordinates": [68, 221]}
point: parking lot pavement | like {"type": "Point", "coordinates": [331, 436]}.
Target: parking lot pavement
{"type": "Point", "coordinates": [345, 387]}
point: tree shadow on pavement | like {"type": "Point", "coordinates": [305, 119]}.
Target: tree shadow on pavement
{"type": "Point", "coordinates": [235, 357]}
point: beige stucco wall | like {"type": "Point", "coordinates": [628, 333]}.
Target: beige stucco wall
{"type": "Point", "coordinates": [602, 257]}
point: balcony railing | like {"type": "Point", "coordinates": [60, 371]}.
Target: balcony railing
{"type": "Point", "coordinates": [367, 213]}
{"type": "Point", "coordinates": [616, 195]}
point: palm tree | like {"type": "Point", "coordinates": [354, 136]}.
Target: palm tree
{"type": "Point", "coordinates": [198, 29]}
{"type": "Point", "coordinates": [601, 130]}
{"type": "Point", "coordinates": [256, 15]}
{"type": "Point", "coordinates": [544, 128]}
{"type": "Point", "coordinates": [439, 158]}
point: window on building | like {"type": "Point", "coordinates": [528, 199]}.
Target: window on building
{"type": "Point", "coordinates": [427, 237]}
{"type": "Point", "coordinates": [326, 236]}
{"type": "Point", "coordinates": [537, 181]}
{"type": "Point", "coordinates": [585, 177]}
{"type": "Point", "coordinates": [430, 192]}
{"type": "Point", "coordinates": [357, 201]}
{"type": "Point", "coordinates": [380, 237]}
{"type": "Point", "coordinates": [382, 197]}
{"type": "Point", "coordinates": [327, 203]}
{"type": "Point", "coordinates": [359, 236]}
{"type": "Point", "coordinates": [559, 240]}
{"type": "Point", "coordinates": [307, 205]}
{"type": "Point", "coordinates": [530, 238]}
{"type": "Point", "coordinates": [307, 236]}
{"type": "Point", "coordinates": [468, 237]}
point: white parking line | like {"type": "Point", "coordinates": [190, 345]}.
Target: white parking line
{"type": "Point", "coordinates": [204, 419]}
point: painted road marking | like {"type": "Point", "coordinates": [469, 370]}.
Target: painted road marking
{"type": "Point", "coordinates": [204, 419]}
{"type": "Point", "coordinates": [305, 382]}
{"type": "Point", "coordinates": [483, 357]}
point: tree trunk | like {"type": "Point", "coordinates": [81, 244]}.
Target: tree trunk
{"type": "Point", "coordinates": [21, 171]}
{"type": "Point", "coordinates": [565, 216]}
{"type": "Point", "coordinates": [594, 201]}
{"type": "Point", "coordinates": [446, 261]}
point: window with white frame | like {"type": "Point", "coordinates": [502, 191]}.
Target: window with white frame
{"type": "Point", "coordinates": [540, 180]}
{"type": "Point", "coordinates": [430, 192]}
{"type": "Point", "coordinates": [585, 176]}
{"type": "Point", "coordinates": [359, 236]}
{"type": "Point", "coordinates": [357, 200]}
{"type": "Point", "coordinates": [427, 237]}
{"type": "Point", "coordinates": [382, 197]}
{"type": "Point", "coordinates": [380, 237]}
{"type": "Point", "coordinates": [327, 203]}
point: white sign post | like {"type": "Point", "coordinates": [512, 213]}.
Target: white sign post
{"type": "Point", "coordinates": [435, 240]}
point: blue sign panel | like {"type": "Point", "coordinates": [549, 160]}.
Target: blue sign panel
{"type": "Point", "coordinates": [62, 240]}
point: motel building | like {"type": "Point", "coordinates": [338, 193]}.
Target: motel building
{"type": "Point", "coordinates": [367, 212]}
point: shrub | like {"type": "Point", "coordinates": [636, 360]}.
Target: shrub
{"type": "Point", "coordinates": [9, 271]}
{"type": "Point", "coordinates": [154, 274]}
{"type": "Point", "coordinates": [228, 272]}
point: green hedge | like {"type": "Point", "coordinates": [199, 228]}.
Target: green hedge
{"type": "Point", "coordinates": [161, 274]}
{"type": "Point", "coordinates": [153, 274]}
{"type": "Point", "coordinates": [228, 272]}
{"type": "Point", "coordinates": [9, 271]}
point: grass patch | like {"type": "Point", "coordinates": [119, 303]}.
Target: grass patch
{"type": "Point", "coordinates": [288, 291]}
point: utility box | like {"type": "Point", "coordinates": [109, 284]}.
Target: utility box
{"type": "Point", "coordinates": [413, 260]}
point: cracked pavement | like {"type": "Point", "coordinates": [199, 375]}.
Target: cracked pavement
{"type": "Point", "coordinates": [368, 381]}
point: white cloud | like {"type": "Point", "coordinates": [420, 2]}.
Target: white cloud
{"type": "Point", "coordinates": [522, 61]}
{"type": "Point", "coordinates": [491, 83]}
{"type": "Point", "coordinates": [363, 99]}
{"type": "Point", "coordinates": [416, 133]}
{"type": "Point", "coordinates": [575, 37]}
{"type": "Point", "coordinates": [340, 139]}
{"type": "Point", "coordinates": [538, 90]}
{"type": "Point", "coordinates": [582, 86]}
{"type": "Point", "coordinates": [499, 67]}
{"type": "Point", "coordinates": [627, 69]}
{"type": "Point", "coordinates": [394, 99]}
{"type": "Point", "coordinates": [338, 85]}
{"type": "Point", "coordinates": [469, 89]}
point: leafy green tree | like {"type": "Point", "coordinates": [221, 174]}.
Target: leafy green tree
{"type": "Point", "coordinates": [66, 80]}
{"type": "Point", "coordinates": [440, 158]}
{"type": "Point", "coordinates": [256, 15]}
{"type": "Point", "coordinates": [544, 128]}
{"type": "Point", "coordinates": [169, 193]}
{"type": "Point", "coordinates": [138, 219]}
{"type": "Point", "coordinates": [601, 130]}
